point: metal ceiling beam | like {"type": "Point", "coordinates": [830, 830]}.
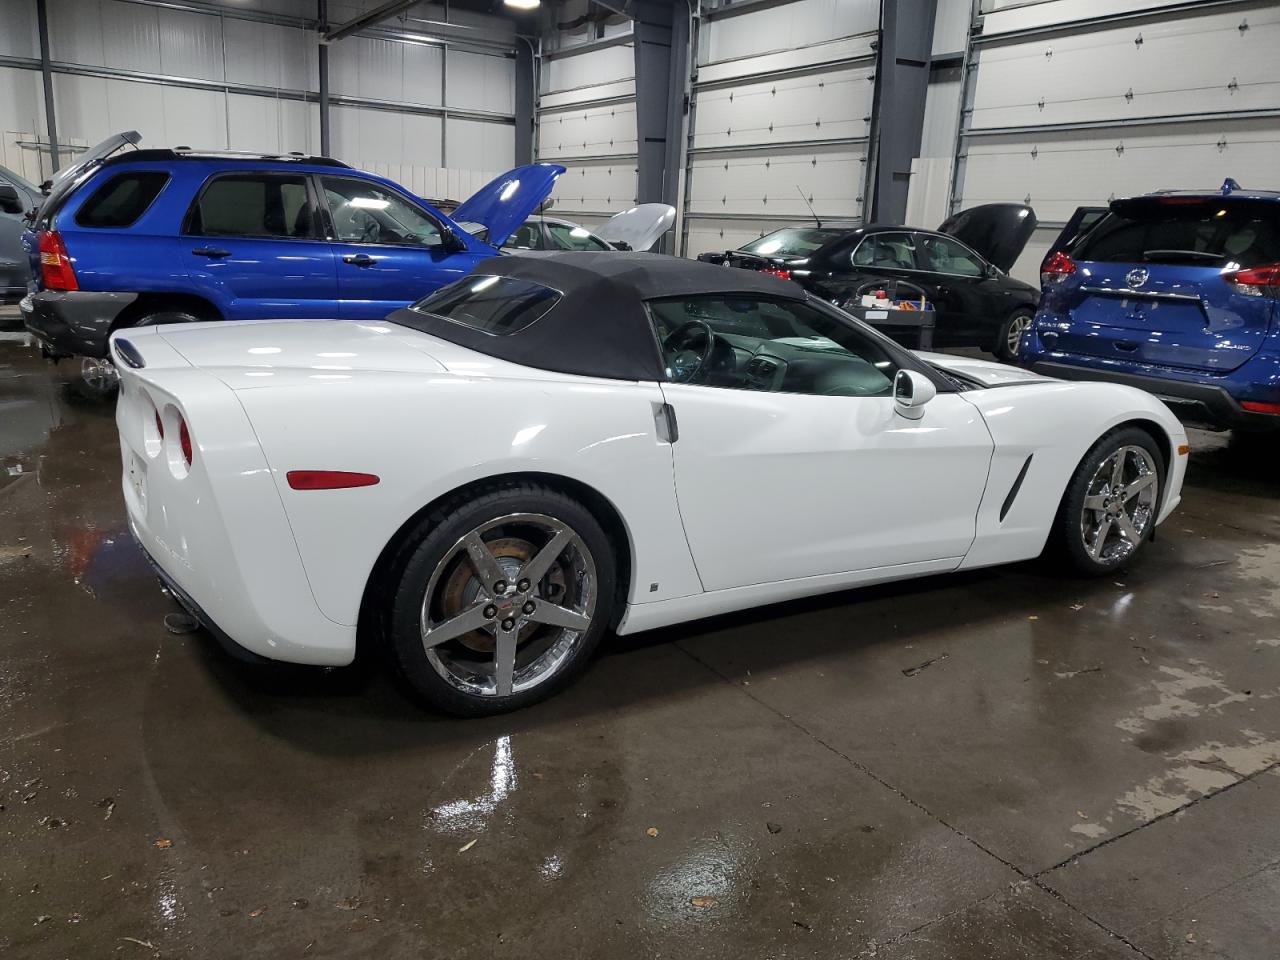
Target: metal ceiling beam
{"type": "Point", "coordinates": [376, 15]}
{"type": "Point", "coordinates": [42, 18]}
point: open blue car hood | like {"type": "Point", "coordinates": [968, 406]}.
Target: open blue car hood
{"type": "Point", "coordinates": [507, 201]}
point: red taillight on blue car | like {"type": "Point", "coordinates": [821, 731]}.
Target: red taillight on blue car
{"type": "Point", "coordinates": [56, 270]}
{"type": "Point", "coordinates": [1056, 267]}
{"type": "Point", "coordinates": [1261, 281]}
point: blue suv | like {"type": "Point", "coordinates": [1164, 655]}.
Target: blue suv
{"type": "Point", "coordinates": [165, 236]}
{"type": "Point", "coordinates": [1178, 293]}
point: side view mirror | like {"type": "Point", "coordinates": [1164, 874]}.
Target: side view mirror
{"type": "Point", "coordinates": [452, 242]}
{"type": "Point", "coordinates": [10, 201]}
{"type": "Point", "coordinates": [911, 391]}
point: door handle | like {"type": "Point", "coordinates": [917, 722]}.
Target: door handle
{"type": "Point", "coordinates": [213, 253]}
{"type": "Point", "coordinates": [359, 259]}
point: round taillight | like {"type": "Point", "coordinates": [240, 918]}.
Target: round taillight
{"type": "Point", "coordinates": [184, 441]}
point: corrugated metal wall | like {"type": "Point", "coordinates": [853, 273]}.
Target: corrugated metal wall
{"type": "Point", "coordinates": [439, 118]}
{"type": "Point", "coordinates": [781, 114]}
{"type": "Point", "coordinates": [587, 115]}
{"type": "Point", "coordinates": [1075, 102]}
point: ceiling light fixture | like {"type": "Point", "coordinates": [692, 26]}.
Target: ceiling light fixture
{"type": "Point", "coordinates": [523, 4]}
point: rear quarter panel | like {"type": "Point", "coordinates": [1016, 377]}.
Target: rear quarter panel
{"type": "Point", "coordinates": [1055, 423]}
{"type": "Point", "coordinates": [426, 435]}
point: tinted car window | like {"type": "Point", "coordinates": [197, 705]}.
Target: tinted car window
{"type": "Point", "coordinates": [253, 205]}
{"type": "Point", "coordinates": [894, 251]}
{"type": "Point", "coordinates": [364, 212]}
{"type": "Point", "coordinates": [121, 200]}
{"type": "Point", "coordinates": [943, 255]}
{"type": "Point", "coordinates": [499, 306]}
{"type": "Point", "coordinates": [566, 237]}
{"type": "Point", "coordinates": [780, 346]}
{"type": "Point", "coordinates": [792, 241]}
{"type": "Point", "coordinates": [526, 237]}
{"type": "Point", "coordinates": [1176, 230]}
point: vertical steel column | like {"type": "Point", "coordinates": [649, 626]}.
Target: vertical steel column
{"type": "Point", "coordinates": [902, 84]}
{"type": "Point", "coordinates": [658, 62]}
{"type": "Point", "coordinates": [524, 101]}
{"type": "Point", "coordinates": [42, 18]}
{"type": "Point", "coordinates": [322, 14]}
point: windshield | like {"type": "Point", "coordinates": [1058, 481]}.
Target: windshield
{"type": "Point", "coordinates": [1187, 231]}
{"type": "Point", "coordinates": [792, 241]}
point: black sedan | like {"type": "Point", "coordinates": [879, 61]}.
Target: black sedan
{"type": "Point", "coordinates": [962, 268]}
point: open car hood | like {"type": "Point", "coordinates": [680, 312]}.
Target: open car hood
{"type": "Point", "coordinates": [640, 227]}
{"type": "Point", "coordinates": [505, 202]}
{"type": "Point", "coordinates": [998, 231]}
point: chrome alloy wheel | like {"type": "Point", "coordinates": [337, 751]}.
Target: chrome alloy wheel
{"type": "Point", "coordinates": [1120, 504]}
{"type": "Point", "coordinates": [99, 375]}
{"type": "Point", "coordinates": [507, 605]}
{"type": "Point", "coordinates": [1017, 327]}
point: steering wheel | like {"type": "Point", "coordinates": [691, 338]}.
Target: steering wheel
{"type": "Point", "coordinates": [687, 362]}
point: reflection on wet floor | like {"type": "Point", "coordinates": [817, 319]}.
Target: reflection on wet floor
{"type": "Point", "coordinates": [774, 783]}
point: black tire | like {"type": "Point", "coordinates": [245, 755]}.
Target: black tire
{"type": "Point", "coordinates": [1003, 348]}
{"type": "Point", "coordinates": [431, 551]}
{"type": "Point", "coordinates": [1068, 537]}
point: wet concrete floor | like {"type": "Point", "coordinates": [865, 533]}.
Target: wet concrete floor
{"type": "Point", "coordinates": [1084, 769]}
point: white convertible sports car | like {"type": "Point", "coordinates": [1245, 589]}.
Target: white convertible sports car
{"type": "Point", "coordinates": [487, 481]}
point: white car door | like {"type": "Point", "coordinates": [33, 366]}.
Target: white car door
{"type": "Point", "coordinates": [791, 460]}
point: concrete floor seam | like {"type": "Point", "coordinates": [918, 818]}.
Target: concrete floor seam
{"type": "Point", "coordinates": [1247, 778]}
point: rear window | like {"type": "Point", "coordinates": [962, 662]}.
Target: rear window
{"type": "Point", "coordinates": [1185, 231]}
{"type": "Point", "coordinates": [122, 200]}
{"type": "Point", "coordinates": [499, 306]}
{"type": "Point", "coordinates": [792, 241]}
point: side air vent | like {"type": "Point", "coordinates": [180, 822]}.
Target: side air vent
{"type": "Point", "coordinates": [1013, 491]}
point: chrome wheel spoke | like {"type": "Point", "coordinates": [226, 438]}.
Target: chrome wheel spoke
{"type": "Point", "coordinates": [537, 568]}
{"type": "Point", "coordinates": [1095, 502]}
{"type": "Point", "coordinates": [484, 562]}
{"type": "Point", "coordinates": [557, 616]}
{"type": "Point", "coordinates": [504, 662]}
{"type": "Point", "coordinates": [1127, 528]}
{"type": "Point", "coordinates": [1117, 472]}
{"type": "Point", "coordinates": [470, 619]}
{"type": "Point", "coordinates": [1100, 538]}
{"type": "Point", "coordinates": [1135, 488]}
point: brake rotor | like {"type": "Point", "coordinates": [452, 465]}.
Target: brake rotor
{"type": "Point", "coordinates": [462, 588]}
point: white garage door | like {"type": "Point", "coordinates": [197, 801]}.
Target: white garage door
{"type": "Point", "coordinates": [779, 121]}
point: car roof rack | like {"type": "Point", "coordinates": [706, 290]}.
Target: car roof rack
{"type": "Point", "coordinates": [188, 153]}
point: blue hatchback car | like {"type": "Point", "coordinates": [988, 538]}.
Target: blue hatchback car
{"type": "Point", "coordinates": [1177, 293]}
{"type": "Point", "coordinates": [163, 236]}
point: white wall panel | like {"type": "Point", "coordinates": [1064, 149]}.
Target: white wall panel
{"type": "Point", "coordinates": [1191, 65]}
{"type": "Point", "coordinates": [591, 67]}
{"type": "Point", "coordinates": [480, 145]}
{"type": "Point", "coordinates": [585, 132]}
{"type": "Point", "coordinates": [951, 26]}
{"type": "Point", "coordinates": [272, 126]}
{"type": "Point", "coordinates": [706, 236]}
{"type": "Point", "coordinates": [19, 37]}
{"type": "Point", "coordinates": [190, 44]}
{"type": "Point", "coordinates": [270, 55]}
{"type": "Point", "coordinates": [21, 119]}
{"type": "Point", "coordinates": [817, 106]}
{"type": "Point", "coordinates": [600, 187]}
{"type": "Point", "coordinates": [787, 26]}
{"type": "Point", "coordinates": [385, 70]}
{"type": "Point", "coordinates": [479, 82]}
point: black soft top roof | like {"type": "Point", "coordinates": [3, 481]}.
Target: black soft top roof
{"type": "Point", "coordinates": [599, 327]}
